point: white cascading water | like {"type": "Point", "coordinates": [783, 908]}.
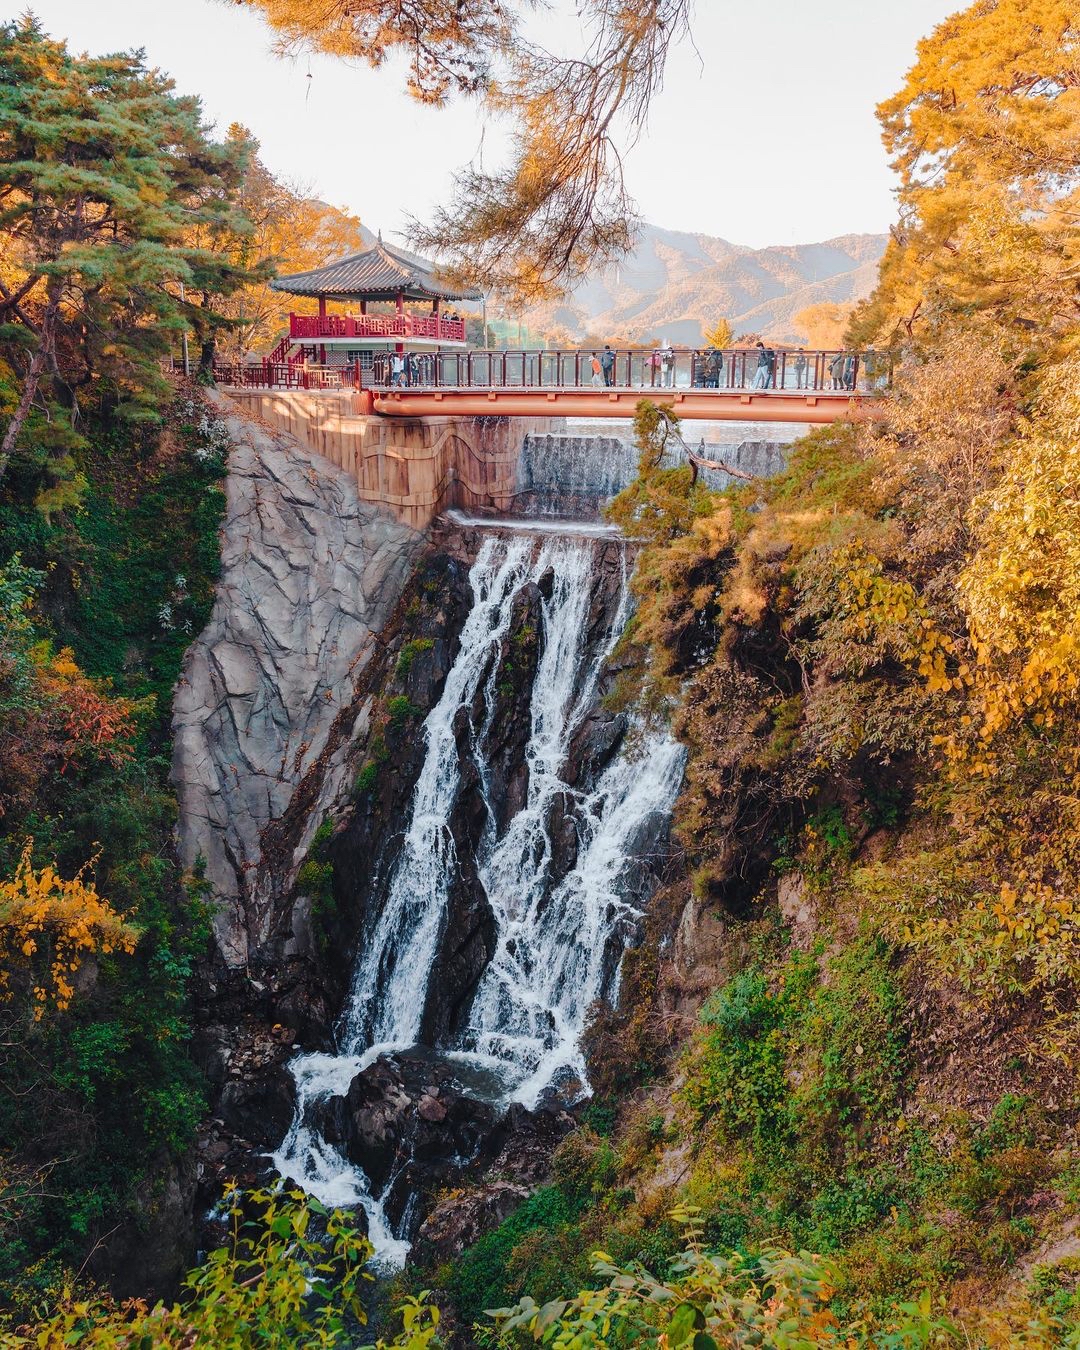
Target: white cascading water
{"type": "Point", "coordinates": [558, 939]}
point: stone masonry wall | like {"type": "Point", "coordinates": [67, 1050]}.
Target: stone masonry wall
{"type": "Point", "coordinates": [416, 467]}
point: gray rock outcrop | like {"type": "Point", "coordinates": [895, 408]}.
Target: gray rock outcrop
{"type": "Point", "coordinates": [309, 577]}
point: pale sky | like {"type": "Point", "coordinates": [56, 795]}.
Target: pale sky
{"type": "Point", "coordinates": [765, 134]}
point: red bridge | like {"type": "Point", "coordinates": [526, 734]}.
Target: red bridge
{"type": "Point", "coordinates": [739, 384]}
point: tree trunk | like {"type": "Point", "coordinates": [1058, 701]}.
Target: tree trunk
{"type": "Point", "coordinates": [204, 374]}
{"type": "Point", "coordinates": [45, 353]}
{"type": "Point", "coordinates": [699, 462]}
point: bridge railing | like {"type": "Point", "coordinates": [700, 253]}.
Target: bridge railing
{"type": "Point", "coordinates": [789, 370]}
{"type": "Point", "coordinates": [792, 370]}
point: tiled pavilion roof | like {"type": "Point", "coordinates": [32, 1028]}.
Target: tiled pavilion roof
{"type": "Point", "coordinates": [380, 273]}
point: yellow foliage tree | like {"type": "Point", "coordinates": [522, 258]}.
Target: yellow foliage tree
{"type": "Point", "coordinates": [1021, 588]}
{"type": "Point", "coordinates": [719, 336]}
{"type": "Point", "coordinates": [289, 228]}
{"type": "Point", "coordinates": [985, 136]}
{"type": "Point", "coordinates": [945, 441]}
{"type": "Point", "coordinates": [823, 326]}
{"type": "Point", "coordinates": [48, 926]}
{"type": "Point", "coordinates": [992, 631]}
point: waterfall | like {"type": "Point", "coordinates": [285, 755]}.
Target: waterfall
{"type": "Point", "coordinates": [558, 936]}
{"type": "Point", "coordinates": [389, 988]}
{"type": "Point", "coordinates": [570, 473]}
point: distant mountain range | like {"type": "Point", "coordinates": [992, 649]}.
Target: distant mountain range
{"type": "Point", "coordinates": [674, 285]}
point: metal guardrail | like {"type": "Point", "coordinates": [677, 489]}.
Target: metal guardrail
{"type": "Point", "coordinates": [790, 370]}
{"type": "Point", "coordinates": [821, 371]}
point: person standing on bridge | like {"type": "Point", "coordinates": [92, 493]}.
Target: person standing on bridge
{"type": "Point", "coordinates": [766, 367]}
{"type": "Point", "coordinates": [397, 368]}
{"type": "Point", "coordinates": [800, 368]}
{"type": "Point", "coordinates": [607, 363]}
{"type": "Point", "coordinates": [667, 367]}
{"type": "Point", "coordinates": [597, 370]}
{"type": "Point", "coordinates": [849, 371]}
{"type": "Point", "coordinates": [712, 369]}
{"type": "Point", "coordinates": [654, 366]}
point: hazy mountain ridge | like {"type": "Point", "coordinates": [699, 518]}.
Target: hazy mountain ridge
{"type": "Point", "coordinates": [676, 284]}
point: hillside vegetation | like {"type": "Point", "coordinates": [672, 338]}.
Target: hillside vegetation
{"type": "Point", "coordinates": [837, 1102]}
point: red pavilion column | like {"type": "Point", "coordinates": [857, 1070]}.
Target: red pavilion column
{"type": "Point", "coordinates": [322, 315]}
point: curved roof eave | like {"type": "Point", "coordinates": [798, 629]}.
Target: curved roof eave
{"type": "Point", "coordinates": [379, 273]}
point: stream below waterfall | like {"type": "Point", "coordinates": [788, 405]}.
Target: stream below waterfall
{"type": "Point", "coordinates": [559, 930]}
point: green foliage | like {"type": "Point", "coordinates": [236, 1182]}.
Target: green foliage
{"type": "Point", "coordinates": [708, 1300]}
{"type": "Point", "coordinates": [799, 1072]}
{"type": "Point", "coordinates": [400, 709]}
{"type": "Point", "coordinates": [291, 1274]}
{"type": "Point", "coordinates": [367, 777]}
{"type": "Point", "coordinates": [408, 654]}
{"type": "Point", "coordinates": [315, 878]}
{"type": "Point", "coordinates": [102, 1096]}
{"type": "Point", "coordinates": [378, 754]}
{"type": "Point", "coordinates": [478, 1279]}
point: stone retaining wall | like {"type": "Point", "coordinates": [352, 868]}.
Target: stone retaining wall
{"type": "Point", "coordinates": [416, 467]}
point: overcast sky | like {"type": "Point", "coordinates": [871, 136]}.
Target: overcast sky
{"type": "Point", "coordinates": [764, 134]}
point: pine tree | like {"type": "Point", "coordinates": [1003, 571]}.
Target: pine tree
{"type": "Point", "coordinates": [104, 174]}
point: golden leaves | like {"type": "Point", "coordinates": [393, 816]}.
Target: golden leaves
{"type": "Point", "coordinates": [63, 920]}
{"type": "Point", "coordinates": [984, 136]}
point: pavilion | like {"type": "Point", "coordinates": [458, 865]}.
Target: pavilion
{"type": "Point", "coordinates": [381, 274]}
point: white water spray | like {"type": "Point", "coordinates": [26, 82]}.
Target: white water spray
{"type": "Point", "coordinates": [558, 938]}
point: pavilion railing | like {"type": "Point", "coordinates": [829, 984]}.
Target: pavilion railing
{"type": "Point", "coordinates": [429, 327]}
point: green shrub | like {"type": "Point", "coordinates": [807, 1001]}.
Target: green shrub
{"type": "Point", "coordinates": [315, 878]}
{"type": "Point", "coordinates": [479, 1276]}
{"type": "Point", "coordinates": [409, 653]}
{"type": "Point", "coordinates": [400, 708]}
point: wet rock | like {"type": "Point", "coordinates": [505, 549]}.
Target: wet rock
{"type": "Point", "coordinates": [518, 1158]}
{"type": "Point", "coordinates": [507, 733]}
{"type": "Point", "coordinates": [594, 746]}
{"type": "Point", "coordinates": [463, 1217]}
{"type": "Point", "coordinates": [259, 1109]}
{"type": "Point", "coordinates": [151, 1250]}
{"type": "Point", "coordinates": [522, 1145]}
{"type": "Point", "coordinates": [409, 1123]}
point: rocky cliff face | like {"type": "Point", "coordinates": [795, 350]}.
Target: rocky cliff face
{"type": "Point", "coordinates": [309, 577]}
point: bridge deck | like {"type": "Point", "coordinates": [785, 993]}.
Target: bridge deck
{"type": "Point", "coordinates": [717, 405]}
{"type": "Point", "coordinates": [732, 385]}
